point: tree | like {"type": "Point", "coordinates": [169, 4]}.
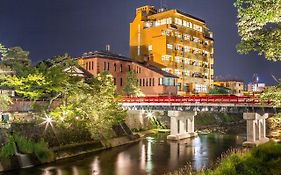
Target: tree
{"type": "Point", "coordinates": [273, 94]}
{"type": "Point", "coordinates": [5, 102]}
{"type": "Point", "coordinates": [91, 103]}
{"type": "Point", "coordinates": [259, 26]}
{"type": "Point", "coordinates": [131, 87]}
{"type": "Point", "coordinates": [3, 51]}
{"type": "Point", "coordinates": [17, 59]}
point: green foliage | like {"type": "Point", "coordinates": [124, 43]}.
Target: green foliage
{"type": "Point", "coordinates": [273, 94]}
{"type": "Point", "coordinates": [8, 149]}
{"type": "Point", "coordinates": [42, 152]}
{"type": "Point", "coordinates": [17, 59]}
{"type": "Point", "coordinates": [5, 101]}
{"type": "Point", "coordinates": [33, 86]}
{"type": "Point", "coordinates": [90, 103]}
{"type": "Point", "coordinates": [219, 91]}
{"type": "Point", "coordinates": [264, 159]}
{"type": "Point", "coordinates": [131, 87]}
{"type": "Point", "coordinates": [93, 104]}
{"type": "Point", "coordinates": [26, 146]}
{"type": "Point", "coordinates": [259, 27]}
{"type": "Point", "coordinates": [3, 51]}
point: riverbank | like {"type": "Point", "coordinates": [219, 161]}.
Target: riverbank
{"type": "Point", "coordinates": [67, 151]}
{"type": "Point", "coordinates": [263, 159]}
{"type": "Point", "coordinates": [153, 154]}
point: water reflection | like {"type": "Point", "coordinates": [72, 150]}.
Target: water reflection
{"type": "Point", "coordinates": [153, 155]}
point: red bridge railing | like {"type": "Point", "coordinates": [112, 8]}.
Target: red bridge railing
{"type": "Point", "coordinates": [194, 99]}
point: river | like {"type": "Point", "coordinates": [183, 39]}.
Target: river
{"type": "Point", "coordinates": [153, 155]}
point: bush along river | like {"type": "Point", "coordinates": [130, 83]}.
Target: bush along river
{"type": "Point", "coordinates": [152, 155]}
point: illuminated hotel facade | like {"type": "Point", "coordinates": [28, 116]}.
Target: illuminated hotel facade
{"type": "Point", "coordinates": [177, 43]}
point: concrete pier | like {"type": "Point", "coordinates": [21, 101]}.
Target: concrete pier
{"type": "Point", "coordinates": [182, 125]}
{"type": "Point", "coordinates": [256, 129]}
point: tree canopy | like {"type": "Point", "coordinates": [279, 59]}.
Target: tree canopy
{"type": "Point", "coordinates": [131, 87]}
{"type": "Point", "coordinates": [259, 26]}
{"type": "Point", "coordinates": [90, 102]}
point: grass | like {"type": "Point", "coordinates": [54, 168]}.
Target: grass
{"type": "Point", "coordinates": [26, 146]}
{"type": "Point", "coordinates": [262, 160]}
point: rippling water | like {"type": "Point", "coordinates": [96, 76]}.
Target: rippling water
{"type": "Point", "coordinates": [153, 155]}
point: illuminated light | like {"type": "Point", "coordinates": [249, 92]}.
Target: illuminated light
{"type": "Point", "coordinates": [149, 114]}
{"type": "Point", "coordinates": [77, 118]}
{"type": "Point", "coordinates": [48, 121]}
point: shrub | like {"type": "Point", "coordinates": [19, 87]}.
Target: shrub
{"type": "Point", "coordinates": [24, 145]}
{"type": "Point", "coordinates": [263, 160]}
{"type": "Point", "coordinates": [8, 149]}
{"type": "Point", "coordinates": [42, 152]}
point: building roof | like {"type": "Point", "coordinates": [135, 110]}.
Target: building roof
{"type": "Point", "coordinates": [190, 16]}
{"type": "Point", "coordinates": [156, 69]}
{"type": "Point", "coordinates": [105, 54]}
{"type": "Point", "coordinates": [229, 80]}
{"type": "Point", "coordinates": [113, 56]}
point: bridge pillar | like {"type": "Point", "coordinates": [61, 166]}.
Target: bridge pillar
{"type": "Point", "coordinates": [182, 125]}
{"type": "Point", "coordinates": [256, 128]}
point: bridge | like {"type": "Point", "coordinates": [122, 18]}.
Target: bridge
{"type": "Point", "coordinates": [183, 109]}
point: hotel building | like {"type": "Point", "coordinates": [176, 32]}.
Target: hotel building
{"type": "Point", "coordinates": [176, 42]}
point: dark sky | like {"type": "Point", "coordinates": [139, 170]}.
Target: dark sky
{"type": "Point", "coordinates": [53, 27]}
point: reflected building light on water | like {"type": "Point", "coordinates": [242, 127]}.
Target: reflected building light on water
{"type": "Point", "coordinates": [200, 157]}
{"type": "Point", "coordinates": [149, 163]}
{"type": "Point", "coordinates": [143, 157]}
{"type": "Point", "coordinates": [122, 163]}
{"type": "Point", "coordinates": [95, 166]}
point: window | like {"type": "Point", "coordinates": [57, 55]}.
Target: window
{"type": "Point", "coordinates": [178, 21]}
{"type": "Point", "coordinates": [178, 46]}
{"type": "Point", "coordinates": [140, 82]}
{"type": "Point", "coordinates": [197, 28]}
{"type": "Point", "coordinates": [121, 82]}
{"type": "Point", "coordinates": [115, 67]}
{"type": "Point", "coordinates": [200, 88]}
{"type": "Point", "coordinates": [166, 58]}
{"type": "Point", "coordinates": [186, 73]}
{"type": "Point", "coordinates": [186, 61]}
{"type": "Point", "coordinates": [129, 68]}
{"type": "Point", "coordinates": [186, 49]}
{"type": "Point", "coordinates": [87, 66]}
{"type": "Point", "coordinates": [92, 65]}
{"type": "Point", "coordinates": [150, 48]}
{"type": "Point", "coordinates": [177, 59]}
{"type": "Point", "coordinates": [104, 65]}
{"type": "Point", "coordinates": [121, 68]}
{"type": "Point", "coordinates": [114, 81]}
{"type": "Point", "coordinates": [178, 35]}
{"type": "Point", "coordinates": [140, 70]}
{"type": "Point", "coordinates": [177, 72]}
{"type": "Point", "coordinates": [195, 39]}
{"type": "Point", "coordinates": [108, 66]}
{"type": "Point", "coordinates": [169, 20]}
{"type": "Point", "coordinates": [186, 37]}
{"type": "Point", "coordinates": [146, 81]}
{"type": "Point", "coordinates": [143, 82]}
{"type": "Point", "coordinates": [169, 46]}
{"type": "Point", "coordinates": [152, 81]}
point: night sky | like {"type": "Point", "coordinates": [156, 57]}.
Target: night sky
{"type": "Point", "coordinates": [53, 27]}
